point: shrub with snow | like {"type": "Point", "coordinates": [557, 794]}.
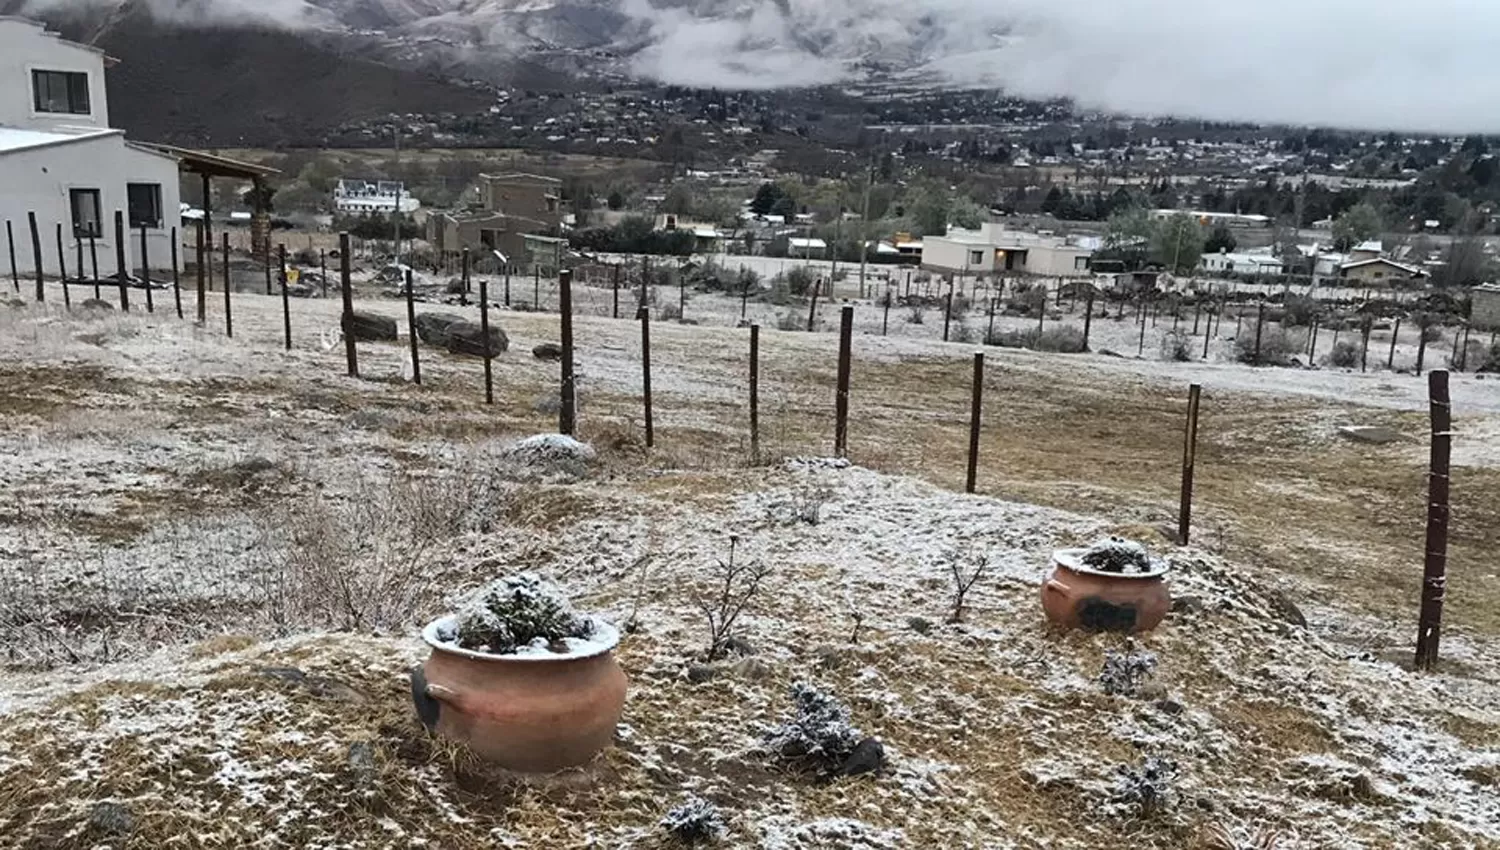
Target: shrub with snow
{"type": "Point", "coordinates": [1125, 672]}
{"type": "Point", "coordinates": [1144, 790]}
{"type": "Point", "coordinates": [695, 821]}
{"type": "Point", "coordinates": [1118, 555]}
{"type": "Point", "coordinates": [519, 611]}
{"type": "Point", "coordinates": [818, 735]}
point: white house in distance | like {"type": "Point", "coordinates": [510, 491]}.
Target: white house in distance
{"type": "Point", "coordinates": [373, 197]}
{"type": "Point", "coordinates": [60, 160]}
{"type": "Point", "coordinates": [992, 249]}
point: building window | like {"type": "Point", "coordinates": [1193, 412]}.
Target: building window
{"type": "Point", "coordinates": [85, 206]}
{"type": "Point", "coordinates": [976, 258]}
{"type": "Point", "coordinates": [61, 91]}
{"type": "Point", "coordinates": [145, 204]}
{"type": "Point", "coordinates": [1080, 264]}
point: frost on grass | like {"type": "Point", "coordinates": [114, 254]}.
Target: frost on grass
{"type": "Point", "coordinates": [1118, 555]}
{"type": "Point", "coordinates": [523, 613]}
{"type": "Point", "coordinates": [1125, 672]}
{"type": "Point", "coordinates": [550, 456]}
{"type": "Point", "coordinates": [818, 735]}
{"type": "Point", "coordinates": [694, 821]}
{"type": "Point", "coordinates": [783, 833]}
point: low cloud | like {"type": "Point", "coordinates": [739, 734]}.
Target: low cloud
{"type": "Point", "coordinates": [1373, 64]}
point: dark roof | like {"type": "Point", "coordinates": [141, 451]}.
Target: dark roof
{"type": "Point", "coordinates": [212, 165]}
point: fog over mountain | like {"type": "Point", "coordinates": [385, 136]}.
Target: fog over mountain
{"type": "Point", "coordinates": [1376, 64]}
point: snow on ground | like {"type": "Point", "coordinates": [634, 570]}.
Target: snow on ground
{"type": "Point", "coordinates": [188, 516]}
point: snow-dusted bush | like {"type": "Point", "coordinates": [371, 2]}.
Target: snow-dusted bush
{"type": "Point", "coordinates": [1125, 672]}
{"type": "Point", "coordinates": [1117, 555]}
{"type": "Point", "coordinates": [1345, 355]}
{"type": "Point", "coordinates": [694, 821]}
{"type": "Point", "coordinates": [1176, 346]}
{"type": "Point", "coordinates": [518, 611]}
{"type": "Point", "coordinates": [1144, 790]}
{"type": "Point", "coordinates": [819, 734]}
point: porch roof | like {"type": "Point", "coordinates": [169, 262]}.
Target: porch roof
{"type": "Point", "coordinates": [211, 165]}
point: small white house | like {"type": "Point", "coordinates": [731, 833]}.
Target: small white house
{"type": "Point", "coordinates": [62, 164]}
{"type": "Point", "coordinates": [373, 197]}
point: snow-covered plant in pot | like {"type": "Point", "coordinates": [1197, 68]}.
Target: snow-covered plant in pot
{"type": "Point", "coordinates": [520, 678]}
{"type": "Point", "coordinates": [1114, 585]}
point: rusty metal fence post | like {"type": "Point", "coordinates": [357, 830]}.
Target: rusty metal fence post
{"type": "Point", "coordinates": [146, 272]}
{"type": "Point", "coordinates": [62, 269]}
{"type": "Point", "coordinates": [228, 307]}
{"type": "Point", "coordinates": [351, 354]}
{"type": "Point", "coordinates": [755, 394]}
{"type": "Point", "coordinates": [484, 332]}
{"type": "Point", "coordinates": [36, 255]}
{"type": "Point", "coordinates": [1435, 568]}
{"type": "Point", "coordinates": [286, 304]}
{"type": "Point", "coordinates": [411, 327]}
{"type": "Point", "coordinates": [644, 315]}
{"type": "Point", "coordinates": [176, 276]}
{"type": "Point", "coordinates": [122, 275]}
{"type": "Point", "coordinates": [10, 247]}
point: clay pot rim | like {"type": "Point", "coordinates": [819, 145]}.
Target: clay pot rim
{"type": "Point", "coordinates": [1072, 559]}
{"type": "Point", "coordinates": [606, 638]}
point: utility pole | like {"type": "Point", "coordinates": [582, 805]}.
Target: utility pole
{"type": "Point", "coordinates": [864, 226]}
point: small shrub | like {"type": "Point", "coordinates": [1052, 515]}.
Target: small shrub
{"type": "Point", "coordinates": [518, 611]}
{"type": "Point", "coordinates": [735, 588]}
{"type": "Point", "coordinates": [1345, 355]}
{"type": "Point", "coordinates": [1064, 339]}
{"type": "Point", "coordinates": [915, 314]}
{"type": "Point", "coordinates": [963, 582]}
{"type": "Point", "coordinates": [1277, 348]}
{"type": "Point", "coordinates": [819, 734]}
{"type": "Point", "coordinates": [1177, 346]}
{"type": "Point", "coordinates": [1125, 672]}
{"type": "Point", "coordinates": [694, 821]}
{"type": "Point", "coordinates": [1432, 333]}
{"type": "Point", "coordinates": [790, 320]}
{"type": "Point", "coordinates": [964, 333]}
{"type": "Point", "coordinates": [1145, 790]}
{"type": "Point", "coordinates": [800, 281]}
{"type": "Point", "coordinates": [669, 312]}
{"type": "Point", "coordinates": [1299, 310]}
{"type": "Point", "coordinates": [1487, 360]}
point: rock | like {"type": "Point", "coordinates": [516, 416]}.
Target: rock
{"type": "Point", "coordinates": [1377, 434]}
{"type": "Point", "coordinates": [920, 625]}
{"type": "Point", "coordinates": [468, 338]}
{"type": "Point", "coordinates": [1167, 706]}
{"type": "Point", "coordinates": [1188, 605]}
{"type": "Point", "coordinates": [1283, 607]}
{"type": "Point", "coordinates": [1105, 352]}
{"type": "Point", "coordinates": [432, 328]}
{"type": "Point", "coordinates": [362, 759]}
{"type": "Point", "coordinates": [750, 669]}
{"type": "Point", "coordinates": [547, 351]}
{"type": "Point", "coordinates": [737, 646]}
{"type": "Point", "coordinates": [868, 757]}
{"type": "Point", "coordinates": [111, 819]}
{"type": "Point", "coordinates": [371, 327]}
{"type": "Point", "coordinates": [98, 304]}
{"type": "Point", "coordinates": [700, 673]}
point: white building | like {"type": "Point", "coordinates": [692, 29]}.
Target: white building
{"type": "Point", "coordinates": [61, 163]}
{"type": "Point", "coordinates": [1241, 263]}
{"type": "Point", "coordinates": [992, 249]}
{"type": "Point", "coordinates": [373, 197]}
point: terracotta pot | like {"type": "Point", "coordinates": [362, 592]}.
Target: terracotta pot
{"type": "Point", "coordinates": [1077, 597]}
{"type": "Point", "coordinates": [533, 713]}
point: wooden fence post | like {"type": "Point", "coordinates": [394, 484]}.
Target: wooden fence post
{"type": "Point", "coordinates": [947, 312]}
{"type": "Point", "coordinates": [10, 245]}
{"type": "Point", "coordinates": [812, 311]}
{"type": "Point", "coordinates": [1390, 359]}
{"type": "Point", "coordinates": [1421, 345]}
{"type": "Point", "coordinates": [1364, 344]}
{"type": "Point", "coordinates": [841, 396]}
{"type": "Point", "coordinates": [1140, 346]}
{"type": "Point", "coordinates": [146, 272]}
{"type": "Point", "coordinates": [203, 260]}
{"type": "Point", "coordinates": [507, 285]}
{"type": "Point", "coordinates": [1197, 311]}
{"type": "Point", "coordinates": [266, 257]}
{"type": "Point", "coordinates": [463, 270]}
{"type": "Point", "coordinates": [1088, 317]}
{"type": "Point", "coordinates": [93, 263]}
{"type": "Point", "coordinates": [484, 332]}
{"type": "Point", "coordinates": [681, 297]}
{"type": "Point", "coordinates": [755, 394]}
{"type": "Point", "coordinates": [36, 256]}
{"type": "Point", "coordinates": [347, 290]}
{"type": "Point", "coordinates": [1312, 345]}
{"type": "Point", "coordinates": [1435, 568]}
{"type": "Point", "coordinates": [1260, 323]}
{"type": "Point", "coordinates": [323, 270]}
{"type": "Point", "coordinates": [176, 276]}
{"type": "Point", "coordinates": [644, 315]}
{"type": "Point", "coordinates": [1189, 459]}
{"type": "Point", "coordinates": [228, 307]}
{"type": "Point", "coordinates": [536, 287]}
{"type": "Point", "coordinates": [122, 275]}
{"type": "Point", "coordinates": [975, 404]}
{"type": "Point", "coordinates": [566, 414]}
{"type": "Point", "coordinates": [885, 319]}
{"type": "Point", "coordinates": [286, 304]}
{"type": "Point", "coordinates": [615, 310]}
{"type": "Point", "coordinates": [62, 268]}
{"type": "Point", "coordinates": [411, 326]}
